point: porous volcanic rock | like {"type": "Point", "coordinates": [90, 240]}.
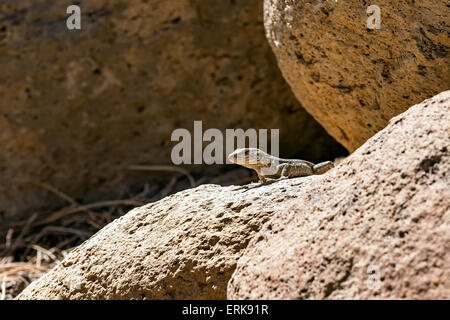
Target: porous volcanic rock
{"type": "Point", "coordinates": [376, 226]}
{"type": "Point", "coordinates": [383, 210]}
{"type": "Point", "coordinates": [77, 107]}
{"type": "Point", "coordinates": [353, 79]}
{"type": "Point", "coordinates": [184, 246]}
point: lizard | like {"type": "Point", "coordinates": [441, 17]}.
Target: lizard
{"type": "Point", "coordinates": [269, 167]}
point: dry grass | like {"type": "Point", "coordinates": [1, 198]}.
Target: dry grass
{"type": "Point", "coordinates": [16, 276]}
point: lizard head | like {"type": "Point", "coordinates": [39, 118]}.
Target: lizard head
{"type": "Point", "coordinates": [250, 158]}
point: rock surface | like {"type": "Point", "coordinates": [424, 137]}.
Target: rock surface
{"type": "Point", "coordinates": [376, 226]}
{"type": "Point", "coordinates": [383, 210]}
{"type": "Point", "coordinates": [350, 78]}
{"type": "Point", "coordinates": [182, 247]}
{"type": "Point", "coordinates": [78, 107]}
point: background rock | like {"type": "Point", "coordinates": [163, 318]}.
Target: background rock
{"type": "Point", "coordinates": [376, 226]}
{"type": "Point", "coordinates": [182, 247]}
{"type": "Point", "coordinates": [78, 107]}
{"type": "Point", "coordinates": [352, 79]}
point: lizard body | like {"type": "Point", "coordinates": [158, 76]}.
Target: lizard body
{"type": "Point", "coordinates": [270, 167]}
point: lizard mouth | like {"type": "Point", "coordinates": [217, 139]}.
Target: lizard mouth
{"type": "Point", "coordinates": [238, 158]}
{"type": "Point", "coordinates": [232, 157]}
{"type": "Point", "coordinates": [242, 159]}
{"type": "Point", "coordinates": [247, 158]}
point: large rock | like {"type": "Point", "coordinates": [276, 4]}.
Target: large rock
{"type": "Point", "coordinates": [353, 79]}
{"type": "Point", "coordinates": [377, 226]}
{"type": "Point", "coordinates": [78, 107]}
{"type": "Point", "coordinates": [182, 247]}
{"type": "Point", "coordinates": [383, 210]}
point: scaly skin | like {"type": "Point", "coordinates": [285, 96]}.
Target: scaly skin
{"type": "Point", "coordinates": [269, 167]}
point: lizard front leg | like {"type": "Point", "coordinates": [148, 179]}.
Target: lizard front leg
{"type": "Point", "coordinates": [323, 167]}
{"type": "Point", "coordinates": [261, 177]}
{"type": "Point", "coordinates": [292, 170]}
